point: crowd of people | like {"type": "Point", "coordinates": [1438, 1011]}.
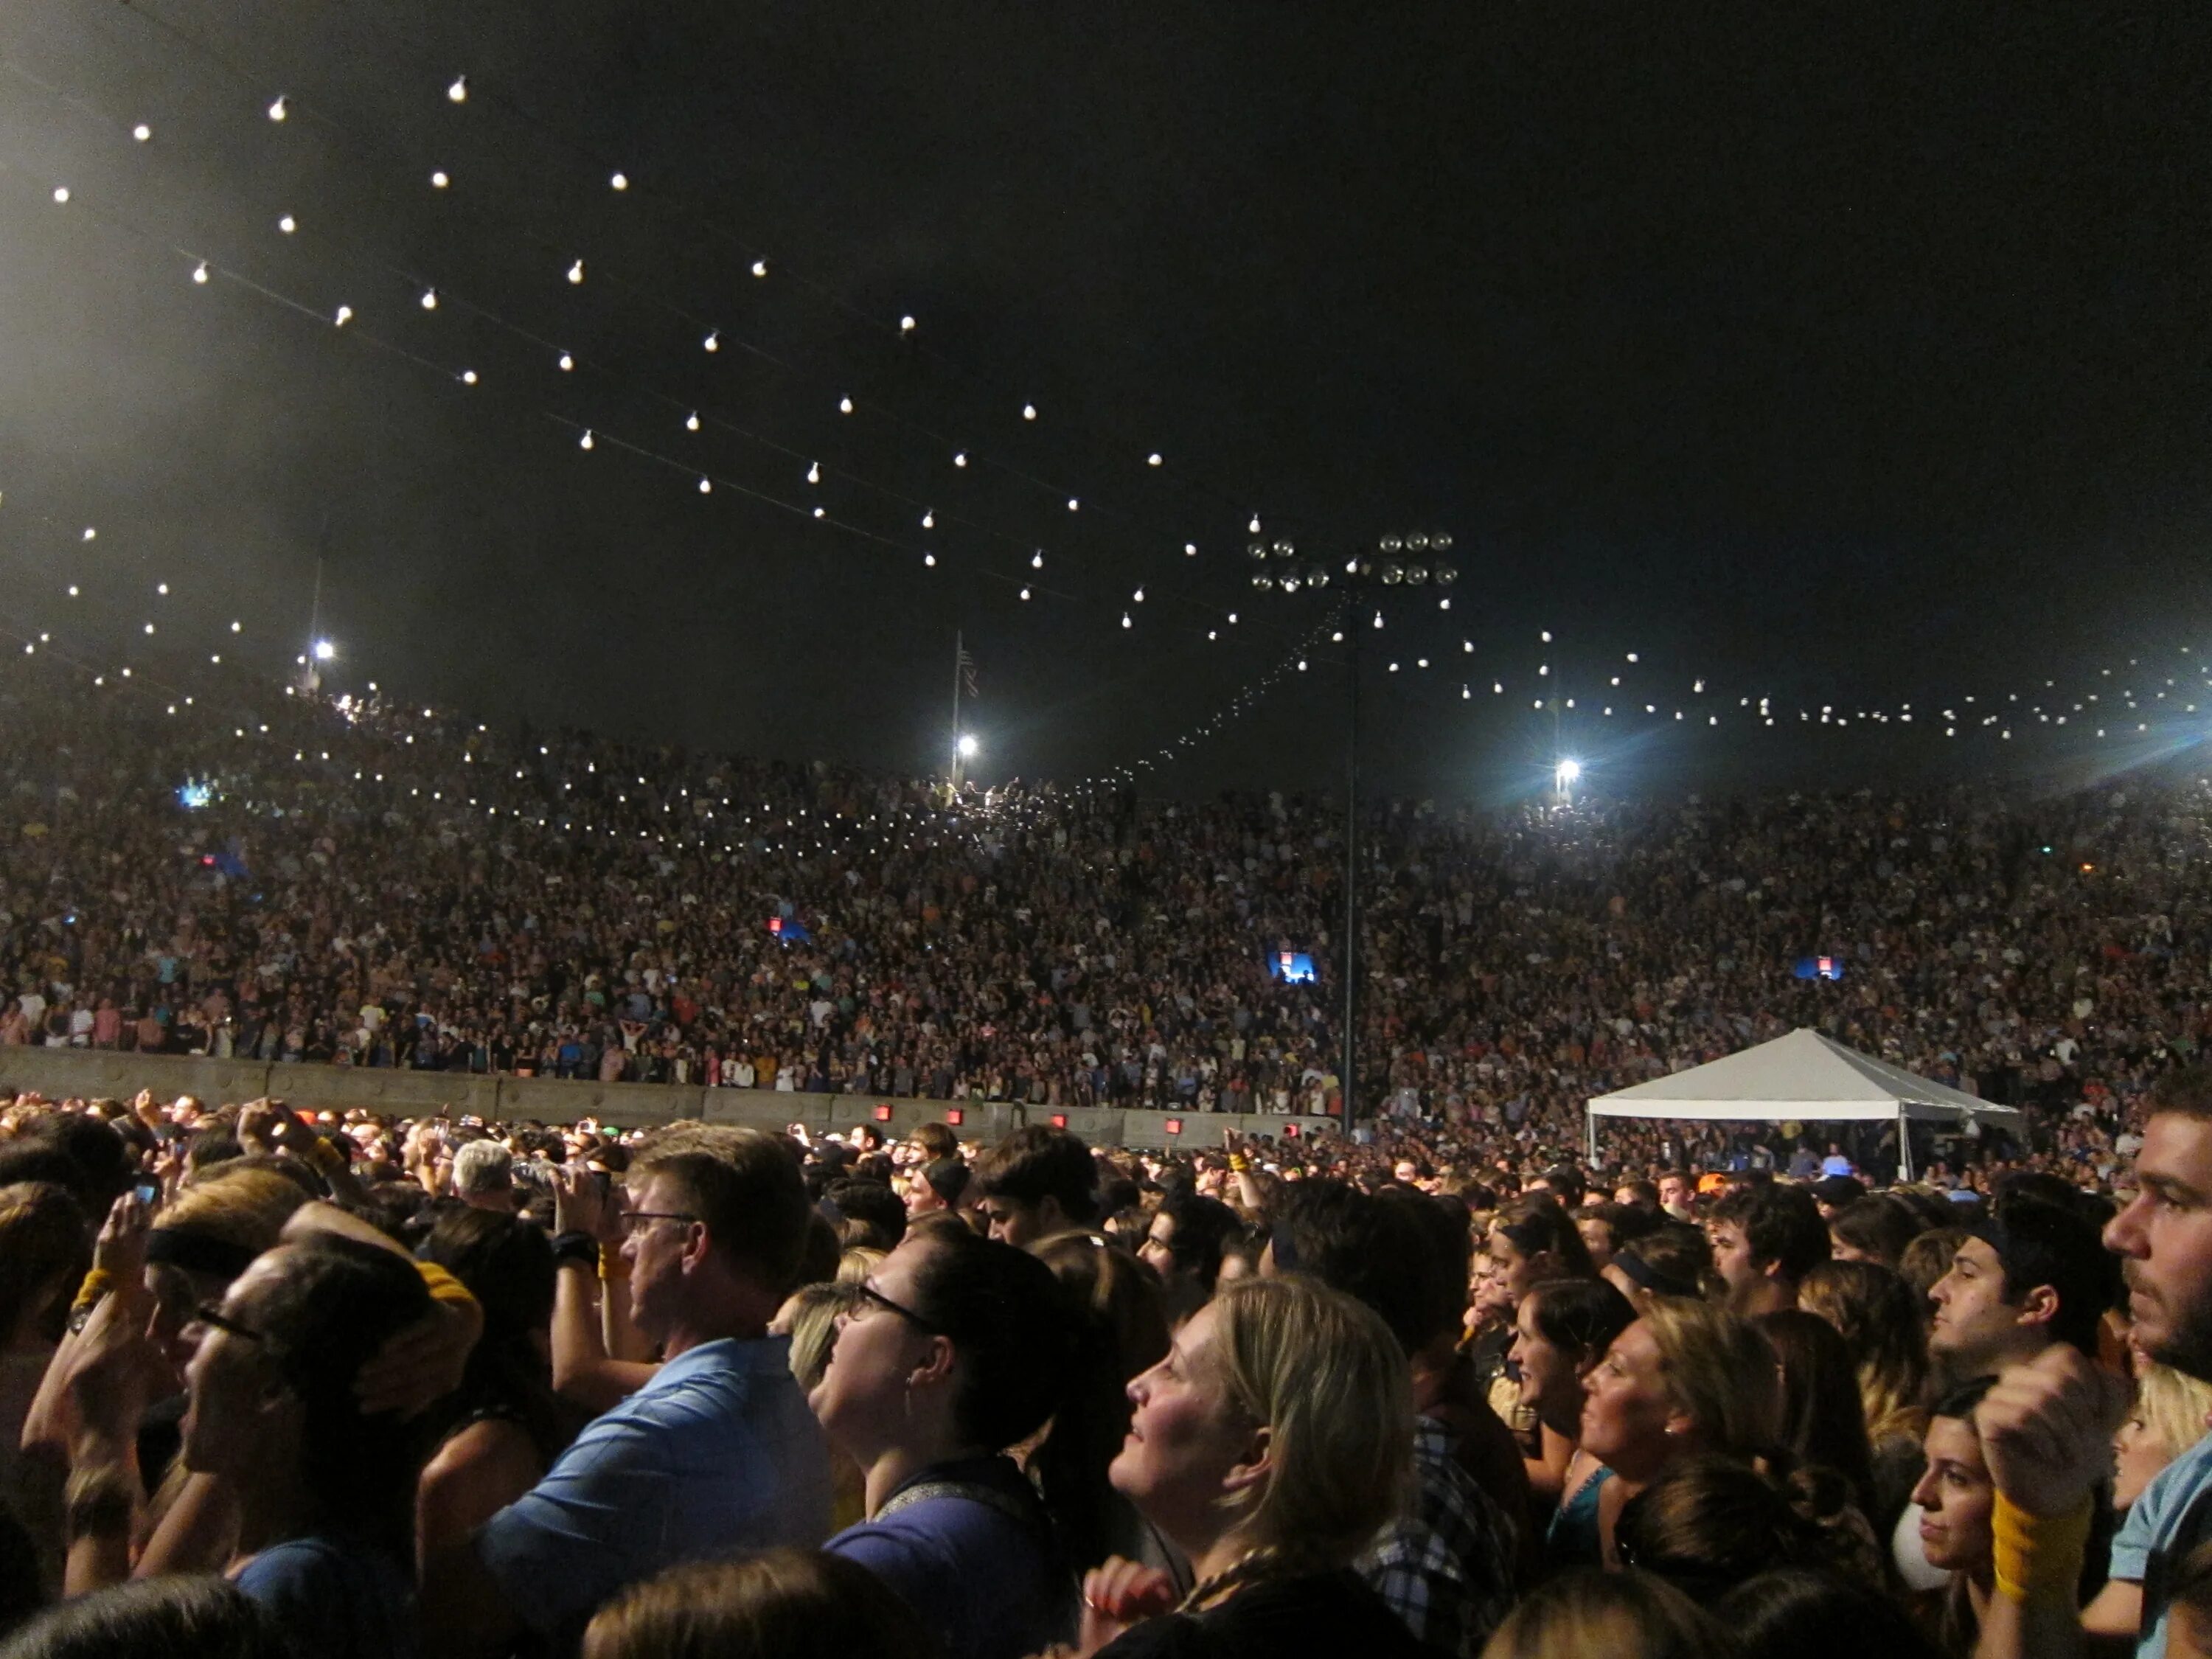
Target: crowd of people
{"type": "Point", "coordinates": [258, 873]}
{"type": "Point", "coordinates": [308, 1383]}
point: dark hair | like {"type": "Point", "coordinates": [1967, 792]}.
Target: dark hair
{"type": "Point", "coordinates": [781, 1604]}
{"type": "Point", "coordinates": [1035, 1163]}
{"type": "Point", "coordinates": [195, 1616]}
{"type": "Point", "coordinates": [1580, 1317]}
{"type": "Point", "coordinates": [2184, 1089]}
{"type": "Point", "coordinates": [1200, 1226]}
{"type": "Point", "coordinates": [1707, 1524]}
{"type": "Point", "coordinates": [1566, 1184]}
{"type": "Point", "coordinates": [1676, 1258]}
{"type": "Point", "coordinates": [44, 1252]}
{"type": "Point", "coordinates": [507, 1264]}
{"type": "Point", "coordinates": [1962, 1401]}
{"type": "Point", "coordinates": [1537, 1223]}
{"type": "Point", "coordinates": [1804, 1612]}
{"type": "Point", "coordinates": [1782, 1224]}
{"type": "Point", "coordinates": [745, 1187]}
{"type": "Point", "coordinates": [2044, 1243]}
{"type": "Point", "coordinates": [1375, 1250]}
{"type": "Point", "coordinates": [2190, 1591]}
{"type": "Point", "coordinates": [874, 1202]}
{"type": "Point", "coordinates": [1823, 1416]}
{"type": "Point", "coordinates": [103, 1160]}
{"type": "Point", "coordinates": [1878, 1226]}
{"type": "Point", "coordinates": [1926, 1259]}
{"type": "Point", "coordinates": [331, 1307]}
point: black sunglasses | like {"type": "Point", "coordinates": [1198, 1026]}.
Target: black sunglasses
{"type": "Point", "coordinates": [214, 1317]}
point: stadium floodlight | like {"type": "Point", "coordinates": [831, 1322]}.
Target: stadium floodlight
{"type": "Point", "coordinates": [969, 747]}
{"type": "Point", "coordinates": [325, 651]}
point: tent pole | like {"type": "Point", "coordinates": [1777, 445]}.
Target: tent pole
{"type": "Point", "coordinates": [1904, 1145]}
{"type": "Point", "coordinates": [1590, 1123]}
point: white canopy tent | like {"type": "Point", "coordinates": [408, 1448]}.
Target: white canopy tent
{"type": "Point", "coordinates": [1803, 1076]}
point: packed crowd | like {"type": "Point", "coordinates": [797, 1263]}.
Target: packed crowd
{"type": "Point", "coordinates": [282, 877]}
{"type": "Point", "coordinates": [280, 1382]}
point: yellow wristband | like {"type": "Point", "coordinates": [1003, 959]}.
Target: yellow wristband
{"type": "Point", "coordinates": [443, 1286]}
{"type": "Point", "coordinates": [1238, 1163]}
{"type": "Point", "coordinates": [98, 1282]}
{"type": "Point", "coordinates": [612, 1263]}
{"type": "Point", "coordinates": [2037, 1557]}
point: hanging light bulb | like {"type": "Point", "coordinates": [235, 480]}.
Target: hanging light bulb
{"type": "Point", "coordinates": [429, 299]}
{"type": "Point", "coordinates": [234, 626]}
{"type": "Point", "coordinates": [814, 473]}
{"type": "Point", "coordinates": [1025, 593]}
{"type": "Point", "coordinates": [62, 195]}
{"type": "Point", "coordinates": [619, 181]}
{"type": "Point", "coordinates": [1029, 411]}
{"type": "Point", "coordinates": [930, 560]}
{"type": "Point", "coordinates": [280, 109]}
{"type": "Point", "coordinates": [1036, 560]}
{"type": "Point", "coordinates": [200, 272]}
{"type": "Point", "coordinates": [1141, 596]}
{"type": "Point", "coordinates": [288, 224]}
{"type": "Point", "coordinates": [1125, 623]}
{"type": "Point", "coordinates": [929, 519]}
{"type": "Point", "coordinates": [906, 324]}
{"type": "Point", "coordinates": [468, 377]}
{"type": "Point", "coordinates": [163, 588]}
{"type": "Point", "coordinates": [585, 442]}
{"type": "Point", "coordinates": [691, 421]}
{"type": "Point", "coordinates": [576, 272]}
{"type": "Point", "coordinates": [960, 460]}
{"type": "Point", "coordinates": [821, 512]}
{"type": "Point", "coordinates": [760, 267]}
{"type": "Point", "coordinates": [142, 132]}
{"type": "Point", "coordinates": [705, 486]}
{"type": "Point", "coordinates": [568, 363]}
{"type": "Point", "coordinates": [1254, 525]}
{"type": "Point", "coordinates": [73, 592]}
{"type": "Point", "coordinates": [1337, 636]}
{"type": "Point", "coordinates": [439, 179]}
{"type": "Point", "coordinates": [459, 92]}
{"type": "Point", "coordinates": [1232, 619]}
{"type": "Point", "coordinates": [714, 340]}
{"type": "Point", "coordinates": [1378, 619]}
{"type": "Point", "coordinates": [1152, 459]}
{"type": "Point", "coordinates": [1190, 549]}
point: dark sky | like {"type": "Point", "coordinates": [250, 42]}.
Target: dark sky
{"type": "Point", "coordinates": [1852, 357]}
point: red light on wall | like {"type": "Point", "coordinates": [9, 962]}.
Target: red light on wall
{"type": "Point", "coordinates": [1060, 1120]}
{"type": "Point", "coordinates": [775, 924]}
{"type": "Point", "coordinates": [1175, 1126]}
{"type": "Point", "coordinates": [1290, 1131]}
{"type": "Point", "coordinates": [956, 1117]}
{"type": "Point", "coordinates": [882, 1114]}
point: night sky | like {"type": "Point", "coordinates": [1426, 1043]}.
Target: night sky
{"type": "Point", "coordinates": [1854, 356]}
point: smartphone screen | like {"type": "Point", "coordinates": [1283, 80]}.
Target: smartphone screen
{"type": "Point", "coordinates": [148, 1191]}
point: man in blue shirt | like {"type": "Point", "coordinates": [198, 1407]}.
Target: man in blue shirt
{"type": "Point", "coordinates": [718, 1453]}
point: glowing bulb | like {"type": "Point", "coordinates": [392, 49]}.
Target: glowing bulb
{"type": "Point", "coordinates": [714, 340]}
{"type": "Point", "coordinates": [1141, 596]}
{"type": "Point", "coordinates": [1125, 623]}
{"type": "Point", "coordinates": [929, 519]}
{"type": "Point", "coordinates": [1232, 619]}
{"type": "Point", "coordinates": [61, 194]}
{"type": "Point", "coordinates": [961, 459]}
{"type": "Point", "coordinates": [142, 132]}
{"type": "Point", "coordinates": [163, 588]}
{"type": "Point", "coordinates": [1025, 593]}
{"type": "Point", "coordinates": [760, 267]}
{"type": "Point", "coordinates": [814, 473]}
{"type": "Point", "coordinates": [844, 405]}
{"type": "Point", "coordinates": [235, 628]}
{"type": "Point", "coordinates": [439, 179]}
{"type": "Point", "coordinates": [567, 362]}
{"type": "Point", "coordinates": [1029, 411]}
{"type": "Point", "coordinates": [576, 272]}
{"type": "Point", "coordinates": [280, 109]}
{"type": "Point", "coordinates": [1036, 560]}
{"type": "Point", "coordinates": [468, 377]}
{"type": "Point", "coordinates": [906, 324]}
{"type": "Point", "coordinates": [343, 316]}
{"type": "Point", "coordinates": [929, 560]}
{"type": "Point", "coordinates": [1152, 459]}
{"type": "Point", "coordinates": [1190, 549]}
{"type": "Point", "coordinates": [429, 299]}
{"type": "Point", "coordinates": [691, 421]}
{"type": "Point", "coordinates": [585, 442]}
{"type": "Point", "coordinates": [459, 92]}
{"type": "Point", "coordinates": [200, 272]}
{"type": "Point", "coordinates": [1378, 619]}
{"type": "Point", "coordinates": [821, 512]}
{"type": "Point", "coordinates": [1072, 504]}
{"type": "Point", "coordinates": [1631, 656]}
{"type": "Point", "coordinates": [705, 486]}
{"type": "Point", "coordinates": [1254, 525]}
{"type": "Point", "coordinates": [1338, 636]}
{"type": "Point", "coordinates": [619, 181]}
{"type": "Point", "coordinates": [288, 224]}
{"type": "Point", "coordinates": [72, 590]}
{"type": "Point", "coordinates": [150, 628]}
{"type": "Point", "coordinates": [325, 651]}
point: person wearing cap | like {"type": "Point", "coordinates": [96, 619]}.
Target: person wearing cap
{"type": "Point", "coordinates": [1836, 1192]}
{"type": "Point", "coordinates": [939, 1185]}
{"type": "Point", "coordinates": [2033, 1274]}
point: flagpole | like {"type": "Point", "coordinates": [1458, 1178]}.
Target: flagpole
{"type": "Point", "coordinates": [959, 657]}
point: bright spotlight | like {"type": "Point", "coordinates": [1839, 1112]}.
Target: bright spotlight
{"type": "Point", "coordinates": [969, 747]}
{"type": "Point", "coordinates": [325, 651]}
{"type": "Point", "coordinates": [1568, 772]}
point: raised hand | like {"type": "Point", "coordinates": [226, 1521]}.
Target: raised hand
{"type": "Point", "coordinates": [2046, 1428]}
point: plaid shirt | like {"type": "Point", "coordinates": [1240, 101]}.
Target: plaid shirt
{"type": "Point", "coordinates": [1446, 1566]}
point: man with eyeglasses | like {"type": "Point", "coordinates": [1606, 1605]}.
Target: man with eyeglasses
{"type": "Point", "coordinates": [717, 1453]}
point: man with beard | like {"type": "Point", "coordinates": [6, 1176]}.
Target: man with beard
{"type": "Point", "coordinates": [2046, 1426]}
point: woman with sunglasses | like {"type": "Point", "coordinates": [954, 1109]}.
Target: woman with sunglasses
{"type": "Point", "coordinates": [959, 1347]}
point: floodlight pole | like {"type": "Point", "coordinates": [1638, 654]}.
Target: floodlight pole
{"type": "Point", "coordinates": [1350, 1064]}
{"type": "Point", "coordinates": [959, 662]}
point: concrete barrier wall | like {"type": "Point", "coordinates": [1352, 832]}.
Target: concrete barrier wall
{"type": "Point", "coordinates": [91, 1073]}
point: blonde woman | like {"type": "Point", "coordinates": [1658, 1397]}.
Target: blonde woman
{"type": "Point", "coordinates": [1268, 1447]}
{"type": "Point", "coordinates": [2169, 1418]}
{"type": "Point", "coordinates": [1687, 1378]}
{"type": "Point", "coordinates": [1878, 1314]}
